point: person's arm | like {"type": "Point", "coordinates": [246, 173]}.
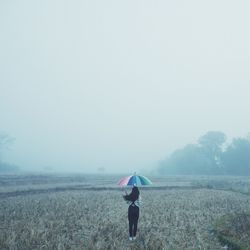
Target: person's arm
{"type": "Point", "coordinates": [124, 197]}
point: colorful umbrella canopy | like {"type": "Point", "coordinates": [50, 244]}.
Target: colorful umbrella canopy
{"type": "Point", "coordinates": [137, 180]}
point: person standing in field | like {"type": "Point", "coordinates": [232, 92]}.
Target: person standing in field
{"type": "Point", "coordinates": [134, 201]}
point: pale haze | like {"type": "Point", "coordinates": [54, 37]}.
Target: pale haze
{"type": "Point", "coordinates": [120, 84]}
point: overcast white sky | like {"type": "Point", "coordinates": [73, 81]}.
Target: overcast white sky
{"type": "Point", "coordinates": [120, 84]}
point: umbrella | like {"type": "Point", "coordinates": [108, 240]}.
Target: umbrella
{"type": "Point", "coordinates": [134, 180]}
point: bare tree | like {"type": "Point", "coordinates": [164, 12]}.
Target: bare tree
{"type": "Point", "coordinates": [5, 142]}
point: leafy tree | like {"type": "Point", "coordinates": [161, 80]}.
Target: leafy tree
{"type": "Point", "coordinates": [201, 158]}
{"type": "Point", "coordinates": [189, 160]}
{"type": "Point", "coordinates": [212, 143]}
{"type": "Point", "coordinates": [208, 157]}
{"type": "Point", "coordinates": [236, 159]}
{"type": "Point", "coordinates": [212, 140]}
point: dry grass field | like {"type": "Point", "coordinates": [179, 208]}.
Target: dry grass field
{"type": "Point", "coordinates": [88, 212]}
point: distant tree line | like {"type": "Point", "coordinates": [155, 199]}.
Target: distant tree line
{"type": "Point", "coordinates": [210, 156]}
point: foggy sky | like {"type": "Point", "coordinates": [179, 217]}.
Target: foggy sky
{"type": "Point", "coordinates": [120, 84]}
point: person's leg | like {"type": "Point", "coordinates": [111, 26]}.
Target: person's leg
{"type": "Point", "coordinates": [130, 228]}
{"type": "Point", "coordinates": [135, 227]}
{"type": "Point", "coordinates": [135, 221]}
{"type": "Point", "coordinates": [130, 221]}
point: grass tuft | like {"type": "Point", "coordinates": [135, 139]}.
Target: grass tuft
{"type": "Point", "coordinates": [234, 230]}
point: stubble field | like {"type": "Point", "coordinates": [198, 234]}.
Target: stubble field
{"type": "Point", "coordinates": [89, 213]}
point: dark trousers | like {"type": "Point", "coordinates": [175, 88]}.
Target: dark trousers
{"type": "Point", "coordinates": [133, 216]}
